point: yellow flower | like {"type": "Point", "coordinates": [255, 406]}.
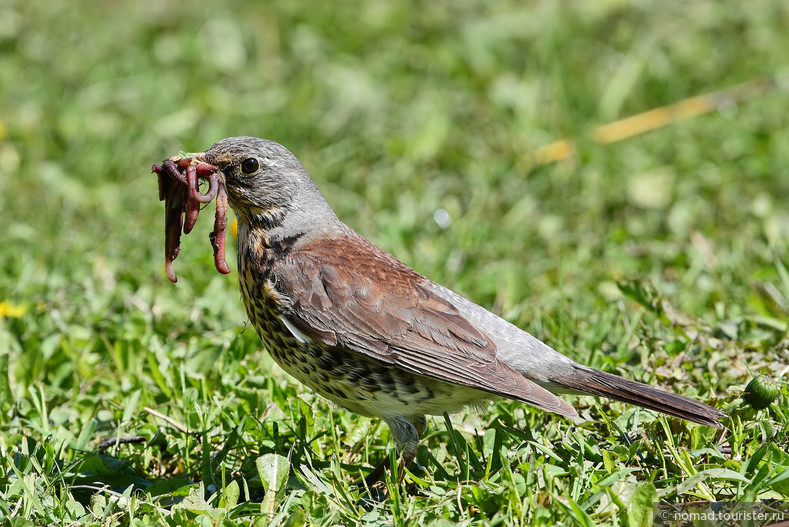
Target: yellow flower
{"type": "Point", "coordinates": [7, 309]}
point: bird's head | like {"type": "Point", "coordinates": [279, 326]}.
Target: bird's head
{"type": "Point", "coordinates": [264, 180]}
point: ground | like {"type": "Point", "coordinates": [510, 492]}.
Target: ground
{"type": "Point", "coordinates": [662, 256]}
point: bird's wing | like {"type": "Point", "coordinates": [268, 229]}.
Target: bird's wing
{"type": "Point", "coordinates": [345, 291]}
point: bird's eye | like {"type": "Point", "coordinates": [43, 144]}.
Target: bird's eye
{"type": "Point", "coordinates": [249, 165]}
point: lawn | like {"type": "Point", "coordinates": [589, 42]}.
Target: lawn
{"type": "Point", "coordinates": [663, 256]}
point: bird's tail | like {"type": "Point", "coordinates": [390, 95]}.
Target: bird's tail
{"type": "Point", "coordinates": [595, 382]}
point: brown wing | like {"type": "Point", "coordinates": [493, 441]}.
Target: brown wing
{"type": "Point", "coordinates": [348, 292]}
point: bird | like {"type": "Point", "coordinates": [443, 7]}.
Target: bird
{"type": "Point", "coordinates": [369, 333]}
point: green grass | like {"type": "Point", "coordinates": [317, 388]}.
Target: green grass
{"type": "Point", "coordinates": [397, 109]}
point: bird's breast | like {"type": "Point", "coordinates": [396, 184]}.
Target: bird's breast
{"type": "Point", "coordinates": [350, 379]}
{"type": "Point", "coordinates": [256, 259]}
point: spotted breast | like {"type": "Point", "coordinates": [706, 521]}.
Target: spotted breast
{"type": "Point", "coordinates": [365, 386]}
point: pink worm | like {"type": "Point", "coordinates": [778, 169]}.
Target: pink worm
{"type": "Point", "coordinates": [178, 188]}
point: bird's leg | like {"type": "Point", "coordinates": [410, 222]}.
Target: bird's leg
{"type": "Point", "coordinates": [406, 431]}
{"type": "Point", "coordinates": [377, 473]}
{"type": "Point", "coordinates": [409, 448]}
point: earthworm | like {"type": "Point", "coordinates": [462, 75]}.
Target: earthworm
{"type": "Point", "coordinates": [213, 185]}
{"type": "Point", "coordinates": [178, 188]}
{"type": "Point", "coordinates": [217, 236]}
{"type": "Point", "coordinates": [172, 169]}
{"type": "Point", "coordinates": [192, 205]}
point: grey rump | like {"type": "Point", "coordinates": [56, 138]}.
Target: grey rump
{"type": "Point", "coordinates": [367, 332]}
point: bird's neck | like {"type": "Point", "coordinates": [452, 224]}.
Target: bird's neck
{"type": "Point", "coordinates": [264, 238]}
{"type": "Point", "coordinates": [280, 223]}
{"type": "Point", "coordinates": [261, 245]}
{"type": "Point", "coordinates": [262, 220]}
{"type": "Point", "coordinates": [270, 235]}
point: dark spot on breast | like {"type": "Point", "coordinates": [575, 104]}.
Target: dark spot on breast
{"type": "Point", "coordinates": [411, 388]}
{"type": "Point", "coordinates": [326, 363]}
{"type": "Point", "coordinates": [429, 395]}
{"type": "Point", "coordinates": [337, 391]}
{"type": "Point", "coordinates": [371, 384]}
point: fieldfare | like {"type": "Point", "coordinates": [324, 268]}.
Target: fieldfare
{"type": "Point", "coordinates": [366, 331]}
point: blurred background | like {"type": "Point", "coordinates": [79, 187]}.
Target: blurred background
{"type": "Point", "coordinates": [419, 121]}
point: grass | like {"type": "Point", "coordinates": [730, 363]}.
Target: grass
{"type": "Point", "coordinates": [662, 257]}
